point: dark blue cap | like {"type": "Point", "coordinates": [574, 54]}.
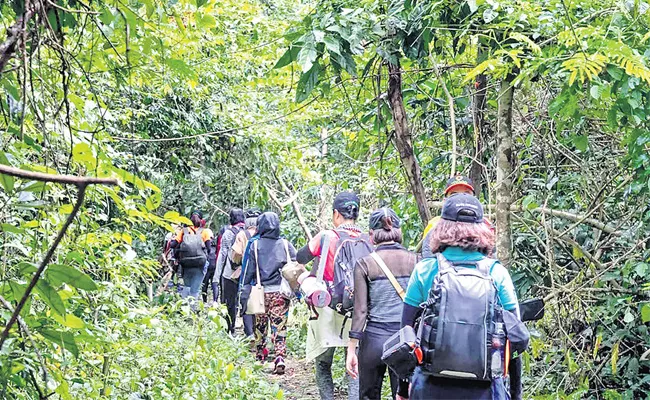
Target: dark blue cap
{"type": "Point", "coordinates": [384, 218]}
{"type": "Point", "coordinates": [462, 207]}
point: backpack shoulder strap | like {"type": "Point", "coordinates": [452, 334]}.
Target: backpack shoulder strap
{"type": "Point", "coordinates": [443, 263]}
{"type": "Point", "coordinates": [286, 250]}
{"type": "Point", "coordinates": [485, 265]}
{"type": "Point", "coordinates": [389, 274]}
{"type": "Point", "coordinates": [248, 234]}
{"type": "Point", "coordinates": [257, 264]}
{"type": "Point", "coordinates": [324, 253]}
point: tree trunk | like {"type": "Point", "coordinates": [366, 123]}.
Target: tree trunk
{"type": "Point", "coordinates": [504, 170]}
{"type": "Point", "coordinates": [325, 193]}
{"type": "Point", "coordinates": [478, 116]}
{"type": "Point", "coordinates": [403, 141]}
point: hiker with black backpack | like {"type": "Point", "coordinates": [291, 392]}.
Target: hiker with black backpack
{"type": "Point", "coordinates": [379, 282]}
{"type": "Point", "coordinates": [268, 255]}
{"type": "Point", "coordinates": [228, 271]}
{"type": "Point", "coordinates": [329, 289]}
{"type": "Point", "coordinates": [193, 244]}
{"type": "Point", "coordinates": [461, 297]}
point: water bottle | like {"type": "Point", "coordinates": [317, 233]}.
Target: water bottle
{"type": "Point", "coordinates": [498, 347]}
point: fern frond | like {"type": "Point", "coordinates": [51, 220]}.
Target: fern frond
{"type": "Point", "coordinates": [526, 40]}
{"type": "Point", "coordinates": [585, 66]}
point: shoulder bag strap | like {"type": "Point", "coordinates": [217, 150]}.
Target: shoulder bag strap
{"type": "Point", "coordinates": [257, 264]}
{"type": "Point", "coordinates": [391, 277]}
{"type": "Point", "coordinates": [324, 253]}
{"type": "Point", "coordinates": [286, 250]}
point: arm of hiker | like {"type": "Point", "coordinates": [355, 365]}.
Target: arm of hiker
{"type": "Point", "coordinates": [505, 288]}
{"type": "Point", "coordinates": [360, 314]}
{"type": "Point", "coordinates": [226, 242]}
{"type": "Point", "coordinates": [409, 315]}
{"type": "Point", "coordinates": [311, 250]}
{"type": "Point", "coordinates": [304, 255]}
{"type": "Point", "coordinates": [352, 361]}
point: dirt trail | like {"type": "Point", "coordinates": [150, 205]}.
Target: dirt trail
{"type": "Point", "coordinates": [298, 381]}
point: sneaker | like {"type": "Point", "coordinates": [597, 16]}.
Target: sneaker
{"type": "Point", "coordinates": [279, 366]}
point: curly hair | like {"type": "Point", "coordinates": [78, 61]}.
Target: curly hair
{"type": "Point", "coordinates": [468, 236]}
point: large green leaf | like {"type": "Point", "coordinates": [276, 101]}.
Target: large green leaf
{"type": "Point", "coordinates": [307, 56]}
{"type": "Point", "coordinates": [59, 273]}
{"type": "Point", "coordinates": [7, 181]}
{"type": "Point", "coordinates": [307, 83]}
{"type": "Point", "coordinates": [63, 339]}
{"type": "Point", "coordinates": [288, 57]}
{"type": "Point", "coordinates": [50, 296]}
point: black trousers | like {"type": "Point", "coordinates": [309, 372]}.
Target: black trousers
{"type": "Point", "coordinates": [229, 298]}
{"type": "Point", "coordinates": [371, 368]}
{"type": "Point", "coordinates": [207, 282]}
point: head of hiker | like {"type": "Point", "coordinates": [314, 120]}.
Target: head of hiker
{"type": "Point", "coordinates": [384, 225]}
{"type": "Point", "coordinates": [236, 216]}
{"type": "Point", "coordinates": [462, 225]}
{"type": "Point", "coordinates": [459, 184]}
{"type": "Point", "coordinates": [346, 208]}
{"type": "Point", "coordinates": [196, 218]}
{"type": "Point", "coordinates": [251, 217]}
{"type": "Point", "coordinates": [268, 225]}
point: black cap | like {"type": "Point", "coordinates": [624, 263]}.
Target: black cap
{"type": "Point", "coordinates": [462, 207]}
{"type": "Point", "coordinates": [197, 212]}
{"type": "Point", "coordinates": [253, 213]}
{"type": "Point", "coordinates": [378, 219]}
{"type": "Point", "coordinates": [459, 181]}
{"type": "Point", "coordinates": [345, 199]}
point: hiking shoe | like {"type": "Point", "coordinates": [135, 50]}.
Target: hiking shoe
{"type": "Point", "coordinates": [279, 366]}
{"type": "Point", "coordinates": [262, 356]}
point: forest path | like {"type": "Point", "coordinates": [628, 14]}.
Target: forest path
{"type": "Point", "coordinates": [299, 380]}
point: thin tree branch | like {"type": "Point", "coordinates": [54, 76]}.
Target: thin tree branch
{"type": "Point", "coordinates": [452, 119]}
{"type": "Point", "coordinates": [549, 211]}
{"type": "Point", "coordinates": [81, 183]}
{"type": "Point", "coordinates": [66, 179]}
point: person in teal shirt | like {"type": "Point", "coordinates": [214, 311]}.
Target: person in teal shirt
{"type": "Point", "coordinates": [461, 235]}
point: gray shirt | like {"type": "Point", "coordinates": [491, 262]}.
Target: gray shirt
{"type": "Point", "coordinates": [223, 266]}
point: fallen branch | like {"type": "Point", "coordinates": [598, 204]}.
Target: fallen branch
{"type": "Point", "coordinates": [549, 211]}
{"type": "Point", "coordinates": [14, 33]}
{"type": "Point", "coordinates": [81, 183]}
{"type": "Point", "coordinates": [292, 200]}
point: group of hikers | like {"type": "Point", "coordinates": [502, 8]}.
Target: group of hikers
{"type": "Point", "coordinates": [444, 322]}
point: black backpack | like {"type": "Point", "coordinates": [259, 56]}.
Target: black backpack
{"type": "Point", "coordinates": [461, 331]}
{"type": "Point", "coordinates": [192, 249]}
{"type": "Point", "coordinates": [349, 250]}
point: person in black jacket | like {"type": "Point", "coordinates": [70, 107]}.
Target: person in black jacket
{"type": "Point", "coordinates": [270, 255]}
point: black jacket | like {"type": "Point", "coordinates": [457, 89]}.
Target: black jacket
{"type": "Point", "coordinates": [270, 250]}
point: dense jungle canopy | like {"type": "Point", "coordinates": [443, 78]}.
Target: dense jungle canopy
{"type": "Point", "coordinates": [279, 104]}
